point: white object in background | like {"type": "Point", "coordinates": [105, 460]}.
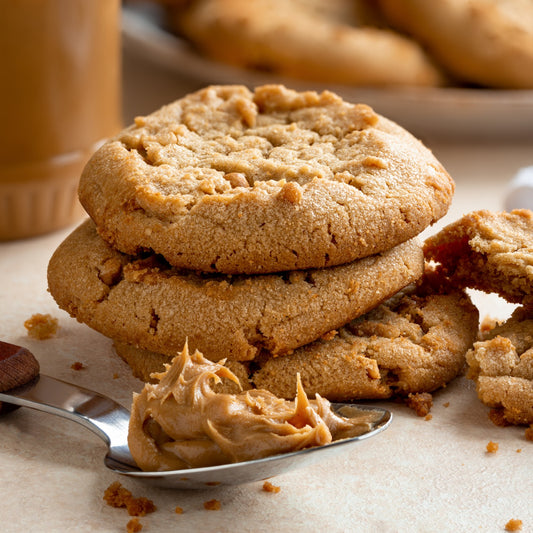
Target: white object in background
{"type": "Point", "coordinates": [519, 194]}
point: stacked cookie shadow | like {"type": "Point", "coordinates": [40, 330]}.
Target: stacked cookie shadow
{"type": "Point", "coordinates": [276, 230]}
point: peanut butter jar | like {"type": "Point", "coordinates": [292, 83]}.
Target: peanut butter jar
{"type": "Point", "coordinates": [60, 97]}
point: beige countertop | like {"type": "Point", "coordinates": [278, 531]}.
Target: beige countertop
{"type": "Point", "coordinates": [416, 476]}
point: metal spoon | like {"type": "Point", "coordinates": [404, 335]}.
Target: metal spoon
{"type": "Point", "coordinates": [109, 420]}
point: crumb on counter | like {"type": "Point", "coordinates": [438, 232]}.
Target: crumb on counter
{"type": "Point", "coordinates": [212, 505]}
{"type": "Point", "coordinates": [529, 433]}
{"type": "Point", "coordinates": [117, 496]}
{"type": "Point", "coordinates": [77, 366]}
{"type": "Point", "coordinates": [446, 404]}
{"type": "Point", "coordinates": [428, 417]}
{"type": "Point", "coordinates": [268, 487]}
{"type": "Point", "coordinates": [178, 510]}
{"type": "Point", "coordinates": [41, 326]}
{"type": "Point", "coordinates": [134, 526]}
{"type": "Point", "coordinates": [421, 403]}
{"type": "Point", "coordinates": [492, 447]}
{"type": "Point", "coordinates": [513, 525]}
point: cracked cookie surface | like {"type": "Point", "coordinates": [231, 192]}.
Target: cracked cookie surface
{"type": "Point", "coordinates": [145, 302]}
{"type": "Point", "coordinates": [414, 342]}
{"type": "Point", "coordinates": [233, 181]}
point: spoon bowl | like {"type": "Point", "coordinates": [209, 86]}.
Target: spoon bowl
{"type": "Point", "coordinates": [110, 421]}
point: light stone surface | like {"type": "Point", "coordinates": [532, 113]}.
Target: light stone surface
{"type": "Point", "coordinates": [418, 475]}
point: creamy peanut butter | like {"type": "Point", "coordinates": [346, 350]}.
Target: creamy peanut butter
{"type": "Point", "coordinates": [181, 422]}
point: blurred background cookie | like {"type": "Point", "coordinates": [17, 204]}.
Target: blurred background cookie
{"type": "Point", "coordinates": [485, 42]}
{"type": "Point", "coordinates": [305, 39]}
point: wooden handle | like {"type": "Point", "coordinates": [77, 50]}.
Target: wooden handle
{"type": "Point", "coordinates": [18, 366]}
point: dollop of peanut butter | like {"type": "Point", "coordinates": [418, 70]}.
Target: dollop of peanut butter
{"type": "Point", "coordinates": [181, 422]}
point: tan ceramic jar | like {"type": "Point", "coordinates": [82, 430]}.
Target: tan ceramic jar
{"type": "Point", "coordinates": [59, 98]}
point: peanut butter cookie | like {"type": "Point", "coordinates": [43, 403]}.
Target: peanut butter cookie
{"type": "Point", "coordinates": [488, 42]}
{"type": "Point", "coordinates": [319, 41]}
{"type": "Point", "coordinates": [233, 181]}
{"type": "Point", "coordinates": [415, 342]}
{"type": "Point", "coordinates": [488, 251]}
{"type": "Point", "coordinates": [145, 302]}
{"type": "Point", "coordinates": [502, 366]}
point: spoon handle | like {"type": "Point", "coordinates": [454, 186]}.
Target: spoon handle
{"type": "Point", "coordinates": [100, 414]}
{"type": "Point", "coordinates": [22, 385]}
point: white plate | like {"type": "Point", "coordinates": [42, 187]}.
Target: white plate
{"type": "Point", "coordinates": [453, 113]}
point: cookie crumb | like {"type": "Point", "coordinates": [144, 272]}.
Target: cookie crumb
{"type": "Point", "coordinates": [212, 505]}
{"type": "Point", "coordinates": [529, 433]}
{"type": "Point", "coordinates": [115, 376]}
{"type": "Point", "coordinates": [513, 525]}
{"type": "Point", "coordinates": [41, 326]}
{"type": "Point", "coordinates": [492, 447]}
{"type": "Point", "coordinates": [117, 496]}
{"type": "Point", "coordinates": [487, 324]}
{"type": "Point", "coordinates": [134, 526]}
{"type": "Point", "coordinates": [268, 487]}
{"type": "Point", "coordinates": [420, 402]}
{"type": "Point", "coordinates": [237, 179]}
{"type": "Point", "coordinates": [496, 416]}
{"type": "Point", "coordinates": [519, 450]}
{"type": "Point", "coordinates": [77, 366]}
{"type": "Point", "coordinates": [329, 335]}
{"type": "Point", "coordinates": [428, 417]}
{"type": "Point", "coordinates": [178, 510]}
{"type": "Point", "coordinates": [446, 404]}
{"type": "Point", "coordinates": [291, 192]}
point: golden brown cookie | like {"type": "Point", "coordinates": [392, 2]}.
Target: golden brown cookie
{"type": "Point", "coordinates": [415, 342]}
{"type": "Point", "coordinates": [235, 181]}
{"type": "Point", "coordinates": [145, 302]}
{"type": "Point", "coordinates": [502, 366]}
{"type": "Point", "coordinates": [488, 251]}
{"type": "Point", "coordinates": [319, 41]}
{"type": "Point", "coordinates": [488, 42]}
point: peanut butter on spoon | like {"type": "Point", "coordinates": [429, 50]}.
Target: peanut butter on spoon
{"type": "Point", "coordinates": [181, 422]}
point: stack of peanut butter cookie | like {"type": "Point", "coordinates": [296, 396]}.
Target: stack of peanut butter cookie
{"type": "Point", "coordinates": [277, 230]}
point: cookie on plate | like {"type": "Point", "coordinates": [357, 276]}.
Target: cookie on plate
{"type": "Point", "coordinates": [488, 251]}
{"type": "Point", "coordinates": [488, 42]}
{"type": "Point", "coordinates": [324, 41]}
{"type": "Point", "coordinates": [415, 342]}
{"type": "Point", "coordinates": [145, 302]}
{"type": "Point", "coordinates": [502, 366]}
{"type": "Point", "coordinates": [233, 181]}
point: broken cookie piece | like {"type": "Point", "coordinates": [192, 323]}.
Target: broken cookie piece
{"type": "Point", "coordinates": [502, 367]}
